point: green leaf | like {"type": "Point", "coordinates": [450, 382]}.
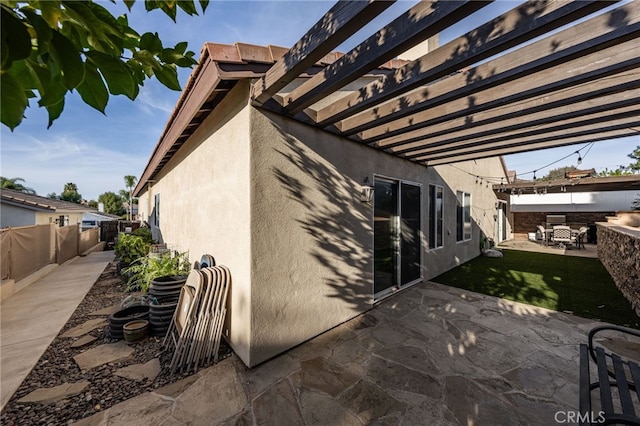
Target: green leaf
{"type": "Point", "coordinates": [51, 12]}
{"type": "Point", "coordinates": [138, 71]}
{"type": "Point", "coordinates": [22, 72]}
{"type": "Point", "coordinates": [168, 7]}
{"type": "Point", "coordinates": [16, 41]}
{"type": "Point", "coordinates": [44, 33]}
{"type": "Point", "coordinates": [69, 61]}
{"type": "Point", "coordinates": [92, 89]}
{"type": "Point", "coordinates": [168, 76]}
{"type": "Point", "coordinates": [54, 111]}
{"type": "Point", "coordinates": [53, 91]}
{"type": "Point", "coordinates": [117, 74]}
{"type": "Point", "coordinates": [13, 100]}
{"type": "Point", "coordinates": [181, 47]}
{"type": "Point", "coordinates": [188, 6]}
{"type": "Point", "coordinates": [204, 4]}
{"type": "Point", "coordinates": [151, 42]}
{"type": "Point", "coordinates": [129, 4]}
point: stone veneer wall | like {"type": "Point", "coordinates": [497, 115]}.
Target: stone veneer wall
{"type": "Point", "coordinates": [619, 252]}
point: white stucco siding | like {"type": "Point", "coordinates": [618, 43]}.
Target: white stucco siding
{"type": "Point", "coordinates": [313, 236]}
{"type": "Point", "coordinates": [469, 177]}
{"type": "Point", "coordinates": [204, 203]}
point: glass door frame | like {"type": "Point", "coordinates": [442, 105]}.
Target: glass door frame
{"type": "Point", "coordinates": [390, 290]}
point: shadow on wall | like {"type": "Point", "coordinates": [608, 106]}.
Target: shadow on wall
{"type": "Point", "coordinates": [335, 218]}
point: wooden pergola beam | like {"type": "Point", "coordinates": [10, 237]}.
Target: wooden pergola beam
{"type": "Point", "coordinates": [554, 137]}
{"type": "Point", "coordinates": [514, 27]}
{"type": "Point", "coordinates": [552, 126]}
{"type": "Point", "coordinates": [611, 29]}
{"type": "Point", "coordinates": [419, 23]}
{"type": "Point", "coordinates": [477, 126]}
{"type": "Point", "coordinates": [339, 23]}
{"type": "Point", "coordinates": [488, 106]}
{"type": "Point", "coordinates": [580, 139]}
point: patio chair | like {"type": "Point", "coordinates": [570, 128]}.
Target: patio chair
{"type": "Point", "coordinates": [562, 236]}
{"type": "Point", "coordinates": [543, 234]}
{"type": "Point", "coordinates": [580, 237]}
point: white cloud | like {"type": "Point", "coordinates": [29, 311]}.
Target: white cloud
{"type": "Point", "coordinates": [46, 165]}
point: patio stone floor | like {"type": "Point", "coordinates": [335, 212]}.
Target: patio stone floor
{"type": "Point", "coordinates": [428, 355]}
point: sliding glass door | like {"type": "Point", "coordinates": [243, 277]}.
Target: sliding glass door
{"type": "Point", "coordinates": [397, 234]}
{"type": "Point", "coordinates": [385, 235]}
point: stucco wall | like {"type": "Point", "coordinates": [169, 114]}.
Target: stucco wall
{"type": "Point", "coordinates": [312, 237]}
{"type": "Point", "coordinates": [43, 218]}
{"type": "Point", "coordinates": [619, 252]}
{"type": "Point", "coordinates": [15, 216]}
{"type": "Point", "coordinates": [204, 203]}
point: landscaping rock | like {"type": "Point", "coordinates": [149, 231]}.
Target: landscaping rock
{"type": "Point", "coordinates": [106, 311]}
{"type": "Point", "coordinates": [84, 340]}
{"type": "Point", "coordinates": [103, 354]}
{"type": "Point", "coordinates": [56, 393]}
{"type": "Point", "coordinates": [85, 327]}
{"type": "Point", "coordinates": [140, 372]}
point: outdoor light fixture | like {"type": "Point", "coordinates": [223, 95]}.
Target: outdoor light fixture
{"type": "Point", "coordinates": [579, 157]}
{"type": "Point", "coordinates": [366, 195]}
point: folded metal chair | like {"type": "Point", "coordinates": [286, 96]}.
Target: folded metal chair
{"type": "Point", "coordinates": [182, 325]}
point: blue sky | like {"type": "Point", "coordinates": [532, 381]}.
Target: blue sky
{"type": "Point", "coordinates": [96, 151]}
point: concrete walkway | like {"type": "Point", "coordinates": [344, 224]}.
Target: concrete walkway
{"type": "Point", "coordinates": [429, 355]}
{"type": "Point", "coordinates": [589, 250]}
{"type": "Point", "coordinates": [31, 318]}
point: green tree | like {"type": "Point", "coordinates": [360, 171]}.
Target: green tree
{"type": "Point", "coordinates": [14, 183]}
{"type": "Point", "coordinates": [130, 182]}
{"type": "Point", "coordinates": [70, 193]}
{"type": "Point", "coordinates": [93, 204]}
{"type": "Point", "coordinates": [53, 196]}
{"type": "Point", "coordinates": [112, 203]}
{"type": "Point", "coordinates": [558, 173]}
{"type": "Point", "coordinates": [635, 166]}
{"type": "Point", "coordinates": [632, 168]}
{"type": "Point", "coordinates": [52, 47]}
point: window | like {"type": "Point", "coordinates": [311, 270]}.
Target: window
{"type": "Point", "coordinates": [436, 214]}
{"type": "Point", "coordinates": [156, 210]}
{"type": "Point", "coordinates": [463, 216]}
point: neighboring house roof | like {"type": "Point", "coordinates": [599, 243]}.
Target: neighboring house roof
{"type": "Point", "coordinates": [104, 216]}
{"type": "Point", "coordinates": [36, 202]}
{"type": "Point", "coordinates": [220, 67]}
{"type": "Point", "coordinates": [586, 184]}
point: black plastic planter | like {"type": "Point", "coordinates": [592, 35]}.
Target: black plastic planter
{"type": "Point", "coordinates": [118, 319]}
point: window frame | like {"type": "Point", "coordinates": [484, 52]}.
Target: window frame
{"type": "Point", "coordinates": [463, 217]}
{"type": "Point", "coordinates": [436, 224]}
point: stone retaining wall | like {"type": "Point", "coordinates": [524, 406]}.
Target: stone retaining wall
{"type": "Point", "coordinates": [619, 252]}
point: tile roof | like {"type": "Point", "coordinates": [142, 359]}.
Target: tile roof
{"type": "Point", "coordinates": [36, 202]}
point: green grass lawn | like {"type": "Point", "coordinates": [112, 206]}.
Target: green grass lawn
{"type": "Point", "coordinates": [562, 283]}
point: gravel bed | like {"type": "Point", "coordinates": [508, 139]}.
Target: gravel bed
{"type": "Point", "coordinates": [56, 366]}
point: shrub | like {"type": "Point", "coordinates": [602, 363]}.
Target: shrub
{"type": "Point", "coordinates": [148, 268]}
{"type": "Point", "coordinates": [131, 247]}
{"type": "Point", "coordinates": [144, 233]}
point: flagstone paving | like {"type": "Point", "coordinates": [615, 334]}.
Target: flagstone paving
{"type": "Point", "coordinates": [429, 355]}
{"type": "Point", "coordinates": [84, 340]}
{"type": "Point", "coordinates": [84, 328]}
{"type": "Point", "coordinates": [54, 394]}
{"type": "Point", "coordinates": [103, 354]}
{"type": "Point", "coordinates": [140, 372]}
